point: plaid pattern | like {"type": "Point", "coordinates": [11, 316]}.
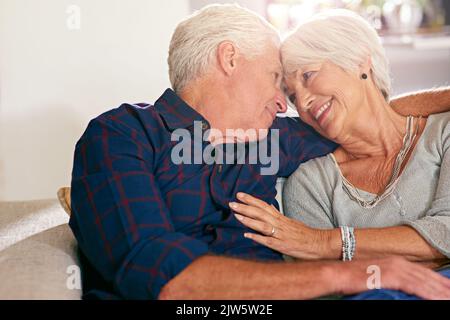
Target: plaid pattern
{"type": "Point", "coordinates": [140, 219]}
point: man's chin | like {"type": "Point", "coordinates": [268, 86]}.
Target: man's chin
{"type": "Point", "coordinates": [262, 133]}
{"type": "Point", "coordinates": [252, 135]}
{"type": "Point", "coordinates": [272, 115]}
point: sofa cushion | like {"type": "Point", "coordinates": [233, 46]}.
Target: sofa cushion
{"type": "Point", "coordinates": [38, 257]}
{"type": "Point", "coordinates": [22, 219]}
{"type": "Point", "coordinates": [44, 266]}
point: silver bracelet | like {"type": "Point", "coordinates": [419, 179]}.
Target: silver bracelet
{"type": "Point", "coordinates": [352, 242]}
{"type": "Point", "coordinates": [344, 242]}
{"type": "Point", "coordinates": [348, 243]}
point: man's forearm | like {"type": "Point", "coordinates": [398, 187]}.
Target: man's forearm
{"type": "Point", "coordinates": [423, 103]}
{"type": "Point", "coordinates": [218, 278]}
{"type": "Point", "coordinates": [213, 277]}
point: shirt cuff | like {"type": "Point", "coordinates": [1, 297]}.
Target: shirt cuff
{"type": "Point", "coordinates": [155, 263]}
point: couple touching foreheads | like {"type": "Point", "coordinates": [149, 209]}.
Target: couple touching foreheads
{"type": "Point", "coordinates": [368, 177]}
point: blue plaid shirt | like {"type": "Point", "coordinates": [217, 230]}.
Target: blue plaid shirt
{"type": "Point", "coordinates": [140, 219]}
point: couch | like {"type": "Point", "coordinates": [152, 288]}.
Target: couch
{"type": "Point", "coordinates": [38, 257]}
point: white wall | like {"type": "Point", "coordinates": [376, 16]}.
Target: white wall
{"type": "Point", "coordinates": [258, 6]}
{"type": "Point", "coordinates": [53, 80]}
{"type": "Point", "coordinates": [414, 69]}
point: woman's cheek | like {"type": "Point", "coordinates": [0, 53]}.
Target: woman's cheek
{"type": "Point", "coordinates": [305, 117]}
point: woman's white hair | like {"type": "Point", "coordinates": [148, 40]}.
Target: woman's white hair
{"type": "Point", "coordinates": [196, 39]}
{"type": "Point", "coordinates": [341, 37]}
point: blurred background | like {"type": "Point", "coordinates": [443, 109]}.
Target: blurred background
{"type": "Point", "coordinates": [63, 62]}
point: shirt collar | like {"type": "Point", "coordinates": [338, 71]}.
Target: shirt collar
{"type": "Point", "coordinates": [175, 112]}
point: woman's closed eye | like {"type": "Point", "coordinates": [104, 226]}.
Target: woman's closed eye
{"type": "Point", "coordinates": [278, 77]}
{"type": "Point", "coordinates": [307, 75]}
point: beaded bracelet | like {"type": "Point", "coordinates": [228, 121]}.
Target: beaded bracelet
{"type": "Point", "coordinates": [348, 243]}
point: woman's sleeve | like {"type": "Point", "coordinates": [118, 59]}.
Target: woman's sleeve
{"type": "Point", "coordinates": [435, 226]}
{"type": "Point", "coordinates": [306, 198]}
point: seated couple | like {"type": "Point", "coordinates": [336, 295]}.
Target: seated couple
{"type": "Point", "coordinates": [368, 186]}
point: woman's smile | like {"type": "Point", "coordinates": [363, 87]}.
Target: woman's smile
{"type": "Point", "coordinates": [321, 112]}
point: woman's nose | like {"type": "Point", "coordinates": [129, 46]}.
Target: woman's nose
{"type": "Point", "coordinates": [305, 102]}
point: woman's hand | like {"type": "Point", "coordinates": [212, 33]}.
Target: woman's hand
{"type": "Point", "coordinates": [280, 233]}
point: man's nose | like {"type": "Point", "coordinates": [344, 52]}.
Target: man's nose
{"type": "Point", "coordinates": [281, 103]}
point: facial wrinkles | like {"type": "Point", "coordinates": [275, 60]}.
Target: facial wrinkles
{"type": "Point", "coordinates": [357, 119]}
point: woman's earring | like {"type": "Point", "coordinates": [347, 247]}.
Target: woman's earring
{"type": "Point", "coordinates": [364, 76]}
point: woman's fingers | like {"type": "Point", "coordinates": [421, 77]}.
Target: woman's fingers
{"type": "Point", "coordinates": [252, 201]}
{"type": "Point", "coordinates": [251, 211]}
{"type": "Point", "coordinates": [259, 226]}
{"type": "Point", "coordinates": [275, 209]}
{"type": "Point", "coordinates": [269, 242]}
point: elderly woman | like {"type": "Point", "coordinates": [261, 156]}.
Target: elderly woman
{"type": "Point", "coordinates": [386, 189]}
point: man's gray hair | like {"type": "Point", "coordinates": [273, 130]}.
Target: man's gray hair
{"type": "Point", "coordinates": [195, 40]}
{"type": "Point", "coordinates": [341, 37]}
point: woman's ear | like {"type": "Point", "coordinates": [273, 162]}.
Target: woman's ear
{"type": "Point", "coordinates": [366, 66]}
{"type": "Point", "coordinates": [227, 57]}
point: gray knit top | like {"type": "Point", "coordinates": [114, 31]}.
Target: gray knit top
{"type": "Point", "coordinates": [314, 193]}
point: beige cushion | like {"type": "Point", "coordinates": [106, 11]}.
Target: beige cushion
{"type": "Point", "coordinates": [37, 250]}
{"type": "Point", "coordinates": [44, 266]}
{"type": "Point", "coordinates": [22, 219]}
{"type": "Point", "coordinates": [64, 199]}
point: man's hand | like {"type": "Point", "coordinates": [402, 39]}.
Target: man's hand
{"type": "Point", "coordinates": [395, 273]}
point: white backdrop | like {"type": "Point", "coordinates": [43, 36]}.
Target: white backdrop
{"type": "Point", "coordinates": [54, 78]}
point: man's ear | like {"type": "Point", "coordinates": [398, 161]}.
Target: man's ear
{"type": "Point", "coordinates": [227, 54]}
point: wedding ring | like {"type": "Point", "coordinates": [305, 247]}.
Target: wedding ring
{"type": "Point", "coordinates": [273, 231]}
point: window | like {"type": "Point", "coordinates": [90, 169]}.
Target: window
{"type": "Point", "coordinates": [387, 16]}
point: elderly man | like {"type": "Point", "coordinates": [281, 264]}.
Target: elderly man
{"type": "Point", "coordinates": [151, 223]}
